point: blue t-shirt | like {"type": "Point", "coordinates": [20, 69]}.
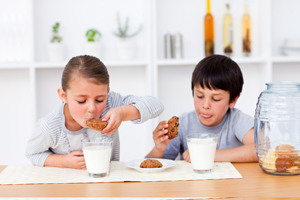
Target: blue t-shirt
{"type": "Point", "coordinates": [231, 131]}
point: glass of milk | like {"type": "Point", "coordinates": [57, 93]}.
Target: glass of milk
{"type": "Point", "coordinates": [97, 155]}
{"type": "Point", "coordinates": [202, 149]}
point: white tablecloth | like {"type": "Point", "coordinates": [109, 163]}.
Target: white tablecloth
{"type": "Point", "coordinates": [30, 174]}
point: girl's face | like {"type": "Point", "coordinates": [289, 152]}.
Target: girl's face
{"type": "Point", "coordinates": [211, 105]}
{"type": "Point", "coordinates": [84, 100]}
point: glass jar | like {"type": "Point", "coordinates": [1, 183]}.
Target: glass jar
{"type": "Point", "coordinates": [277, 128]}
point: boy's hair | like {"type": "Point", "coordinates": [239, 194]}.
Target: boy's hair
{"type": "Point", "coordinates": [218, 72]}
{"type": "Point", "coordinates": [84, 66]}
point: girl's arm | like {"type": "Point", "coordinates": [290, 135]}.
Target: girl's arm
{"type": "Point", "coordinates": [138, 109]}
{"type": "Point", "coordinates": [73, 160]}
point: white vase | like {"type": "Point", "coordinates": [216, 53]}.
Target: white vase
{"type": "Point", "coordinates": [126, 49]}
{"type": "Point", "coordinates": [92, 49]}
{"type": "Point", "coordinates": [55, 52]}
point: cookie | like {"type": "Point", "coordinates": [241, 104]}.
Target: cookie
{"type": "Point", "coordinates": [96, 124]}
{"type": "Point", "coordinates": [173, 127]}
{"type": "Point", "coordinates": [282, 164]}
{"type": "Point", "coordinates": [151, 163]}
{"type": "Point", "coordinates": [285, 150]}
{"type": "Point", "coordinates": [268, 161]}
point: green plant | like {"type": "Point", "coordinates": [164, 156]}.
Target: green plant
{"type": "Point", "coordinates": [55, 35]}
{"type": "Point", "coordinates": [122, 31]}
{"type": "Point", "coordinates": [93, 35]}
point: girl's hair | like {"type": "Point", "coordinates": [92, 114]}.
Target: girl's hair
{"type": "Point", "coordinates": [218, 72]}
{"type": "Point", "coordinates": [88, 67]}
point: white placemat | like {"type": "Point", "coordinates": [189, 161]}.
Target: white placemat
{"type": "Point", "coordinates": [30, 174]}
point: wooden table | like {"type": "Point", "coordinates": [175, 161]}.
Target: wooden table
{"type": "Point", "coordinates": [255, 184]}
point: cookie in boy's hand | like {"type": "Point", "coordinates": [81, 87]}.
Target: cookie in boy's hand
{"type": "Point", "coordinates": [173, 127]}
{"type": "Point", "coordinates": [151, 163]}
{"type": "Point", "coordinates": [96, 124]}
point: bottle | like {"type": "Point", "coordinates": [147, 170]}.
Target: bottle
{"type": "Point", "coordinates": [177, 46]}
{"type": "Point", "coordinates": [227, 32]}
{"type": "Point", "coordinates": [277, 128]}
{"type": "Point", "coordinates": [209, 32]}
{"type": "Point", "coordinates": [246, 32]}
{"type": "Point", "coordinates": [168, 47]}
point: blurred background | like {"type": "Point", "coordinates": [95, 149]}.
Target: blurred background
{"type": "Point", "coordinates": [150, 47]}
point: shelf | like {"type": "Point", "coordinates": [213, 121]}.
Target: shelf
{"type": "Point", "coordinates": [172, 62]}
{"type": "Point", "coordinates": [239, 60]}
{"type": "Point", "coordinates": [125, 63]}
{"type": "Point", "coordinates": [285, 59]}
{"type": "Point", "coordinates": [46, 65]}
{"type": "Point", "coordinates": [22, 65]}
{"type": "Point", "coordinates": [249, 60]}
{"type": "Point", "coordinates": [108, 63]}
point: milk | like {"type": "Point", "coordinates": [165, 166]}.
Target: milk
{"type": "Point", "coordinates": [202, 153]}
{"type": "Point", "coordinates": [97, 159]}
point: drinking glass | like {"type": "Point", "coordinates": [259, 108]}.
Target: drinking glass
{"type": "Point", "coordinates": [97, 155]}
{"type": "Point", "coordinates": [202, 149]}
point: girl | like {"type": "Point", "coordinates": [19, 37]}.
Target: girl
{"type": "Point", "coordinates": [85, 93]}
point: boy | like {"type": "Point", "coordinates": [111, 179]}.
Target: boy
{"type": "Point", "coordinates": [217, 82]}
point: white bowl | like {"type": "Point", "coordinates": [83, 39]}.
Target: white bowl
{"type": "Point", "coordinates": [290, 51]}
{"type": "Point", "coordinates": [292, 42]}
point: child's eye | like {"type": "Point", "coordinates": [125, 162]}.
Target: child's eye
{"type": "Point", "coordinates": [200, 97]}
{"type": "Point", "coordinates": [99, 101]}
{"type": "Point", "coordinates": [81, 102]}
{"type": "Point", "coordinates": [216, 99]}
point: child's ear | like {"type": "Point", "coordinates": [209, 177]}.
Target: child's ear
{"type": "Point", "coordinates": [232, 104]}
{"type": "Point", "coordinates": [62, 95]}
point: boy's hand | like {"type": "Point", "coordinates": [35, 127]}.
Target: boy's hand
{"type": "Point", "coordinates": [160, 139]}
{"type": "Point", "coordinates": [74, 160]}
{"type": "Point", "coordinates": [115, 117]}
{"type": "Point", "coordinates": [186, 156]}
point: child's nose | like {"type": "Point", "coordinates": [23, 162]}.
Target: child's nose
{"type": "Point", "coordinates": [206, 104]}
{"type": "Point", "coordinates": [91, 108]}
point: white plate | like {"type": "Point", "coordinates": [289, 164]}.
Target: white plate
{"type": "Point", "coordinates": [135, 164]}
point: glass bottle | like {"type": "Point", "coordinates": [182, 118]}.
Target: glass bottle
{"type": "Point", "coordinates": [246, 32]}
{"type": "Point", "coordinates": [277, 128]}
{"type": "Point", "coordinates": [227, 32]}
{"type": "Point", "coordinates": [209, 32]}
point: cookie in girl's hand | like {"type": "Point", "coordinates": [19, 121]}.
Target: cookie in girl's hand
{"type": "Point", "coordinates": [96, 124]}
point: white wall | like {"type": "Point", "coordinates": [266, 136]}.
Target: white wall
{"type": "Point", "coordinates": [76, 17]}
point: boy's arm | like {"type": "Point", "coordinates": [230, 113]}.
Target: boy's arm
{"type": "Point", "coordinates": [155, 153]}
{"type": "Point", "coordinates": [245, 153]}
{"type": "Point", "coordinates": [160, 139]}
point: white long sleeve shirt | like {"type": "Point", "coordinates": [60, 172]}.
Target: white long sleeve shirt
{"type": "Point", "coordinates": [51, 135]}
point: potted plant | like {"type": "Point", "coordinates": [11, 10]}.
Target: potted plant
{"type": "Point", "coordinates": [92, 46]}
{"type": "Point", "coordinates": [55, 49]}
{"type": "Point", "coordinates": [125, 47]}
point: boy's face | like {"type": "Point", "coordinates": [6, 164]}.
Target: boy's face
{"type": "Point", "coordinates": [85, 100]}
{"type": "Point", "coordinates": [211, 105]}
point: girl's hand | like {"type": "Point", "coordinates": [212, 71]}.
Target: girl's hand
{"type": "Point", "coordinates": [159, 136]}
{"type": "Point", "coordinates": [74, 160]}
{"type": "Point", "coordinates": [115, 117]}
{"type": "Point", "coordinates": [186, 156]}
